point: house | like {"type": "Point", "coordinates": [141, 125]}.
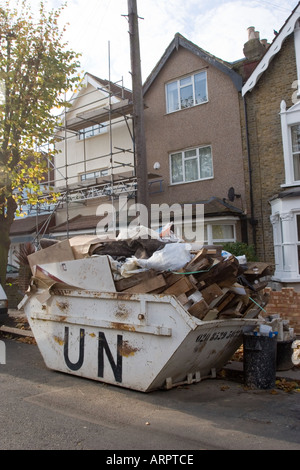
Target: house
{"type": "Point", "coordinates": [28, 229]}
{"type": "Point", "coordinates": [271, 139]}
{"type": "Point", "coordinates": [193, 139]}
{"type": "Point", "coordinates": [272, 131]}
{"type": "Point", "coordinates": [95, 159]}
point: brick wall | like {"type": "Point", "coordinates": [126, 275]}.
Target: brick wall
{"type": "Point", "coordinates": [264, 127]}
{"type": "Point", "coordinates": [287, 304]}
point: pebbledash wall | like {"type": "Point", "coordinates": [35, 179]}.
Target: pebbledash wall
{"type": "Point", "coordinates": [286, 303]}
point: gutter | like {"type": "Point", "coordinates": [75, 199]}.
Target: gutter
{"type": "Point", "coordinates": [253, 221]}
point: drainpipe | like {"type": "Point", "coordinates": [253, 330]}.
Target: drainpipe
{"type": "Point", "coordinates": [253, 221]}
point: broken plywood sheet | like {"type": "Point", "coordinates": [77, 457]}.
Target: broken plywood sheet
{"type": "Point", "coordinates": [61, 251]}
{"type": "Point", "coordinates": [92, 274]}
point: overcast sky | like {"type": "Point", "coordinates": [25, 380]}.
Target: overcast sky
{"type": "Point", "coordinates": [217, 26]}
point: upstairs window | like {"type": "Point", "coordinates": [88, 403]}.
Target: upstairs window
{"type": "Point", "coordinates": [295, 130]}
{"type": "Point", "coordinates": [93, 174]}
{"type": "Point", "coordinates": [92, 131]}
{"type": "Point", "coordinates": [191, 165]}
{"type": "Point", "coordinates": [187, 92]}
{"type": "Point", "coordinates": [290, 130]}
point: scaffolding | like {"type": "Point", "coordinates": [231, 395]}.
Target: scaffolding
{"type": "Point", "coordinates": [116, 183]}
{"type": "Point", "coordinates": [119, 108]}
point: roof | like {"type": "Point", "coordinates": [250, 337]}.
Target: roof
{"type": "Point", "coordinates": [114, 88]}
{"type": "Point", "coordinates": [121, 105]}
{"type": "Point", "coordinates": [28, 225]}
{"type": "Point", "coordinates": [215, 206]}
{"type": "Point", "coordinates": [287, 29]}
{"type": "Point", "coordinates": [181, 41]}
{"type": "Point", "coordinates": [80, 222]}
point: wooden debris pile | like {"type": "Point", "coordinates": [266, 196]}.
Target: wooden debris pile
{"type": "Point", "coordinates": [210, 286]}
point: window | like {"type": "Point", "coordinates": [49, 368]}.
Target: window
{"type": "Point", "coordinates": [295, 131]}
{"type": "Point", "coordinates": [191, 165]}
{"type": "Point", "coordinates": [92, 131]}
{"type": "Point", "coordinates": [218, 234]}
{"type": "Point", "coordinates": [186, 92]}
{"type": "Point", "coordinates": [298, 242]}
{"type": "Point", "coordinates": [93, 174]}
{"type": "Point", "coordinates": [286, 231]}
{"type": "Point", "coordinates": [290, 129]}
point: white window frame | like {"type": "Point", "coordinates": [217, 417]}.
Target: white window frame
{"type": "Point", "coordinates": [286, 241]}
{"type": "Point", "coordinates": [295, 154]}
{"type": "Point", "coordinates": [92, 131]}
{"type": "Point", "coordinates": [180, 87]}
{"type": "Point", "coordinates": [186, 158]}
{"type": "Point", "coordinates": [210, 240]}
{"type": "Point", "coordinates": [89, 175]}
{"type": "Point", "coordinates": [289, 118]}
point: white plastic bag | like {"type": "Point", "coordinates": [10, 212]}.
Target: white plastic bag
{"type": "Point", "coordinates": [172, 257]}
{"type": "Point", "coordinates": [130, 267]}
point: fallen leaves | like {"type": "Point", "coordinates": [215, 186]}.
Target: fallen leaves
{"type": "Point", "coordinates": [288, 385]}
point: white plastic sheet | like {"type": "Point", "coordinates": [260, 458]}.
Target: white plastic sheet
{"type": "Point", "coordinates": [172, 257]}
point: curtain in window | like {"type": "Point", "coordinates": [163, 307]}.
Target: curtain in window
{"type": "Point", "coordinates": [176, 168]}
{"type": "Point", "coordinates": [206, 169]}
{"type": "Point", "coordinates": [172, 97]}
{"type": "Point", "coordinates": [200, 88]}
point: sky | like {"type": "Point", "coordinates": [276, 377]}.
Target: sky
{"type": "Point", "coordinates": [98, 29]}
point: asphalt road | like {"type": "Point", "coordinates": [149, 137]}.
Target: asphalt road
{"type": "Point", "coordinates": [47, 410]}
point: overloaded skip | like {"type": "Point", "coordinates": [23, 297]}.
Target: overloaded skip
{"type": "Point", "coordinates": [141, 313]}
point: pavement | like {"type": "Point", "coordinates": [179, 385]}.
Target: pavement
{"type": "Point", "coordinates": [16, 324]}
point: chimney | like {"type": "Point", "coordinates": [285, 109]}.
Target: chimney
{"type": "Point", "coordinates": [254, 48]}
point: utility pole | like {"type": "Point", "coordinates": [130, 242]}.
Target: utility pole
{"type": "Point", "coordinates": [138, 108]}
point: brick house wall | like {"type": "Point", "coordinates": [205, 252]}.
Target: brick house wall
{"type": "Point", "coordinates": [265, 141]}
{"type": "Point", "coordinates": [286, 303]}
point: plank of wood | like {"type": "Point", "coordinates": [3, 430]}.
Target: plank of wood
{"type": "Point", "coordinates": [133, 280]}
{"type": "Point", "coordinates": [182, 286]}
{"type": "Point", "coordinates": [229, 314]}
{"type": "Point", "coordinates": [211, 293]}
{"type": "Point", "coordinates": [171, 278]}
{"type": "Point", "coordinates": [258, 269]}
{"type": "Point", "coordinates": [228, 298]}
{"type": "Point", "coordinates": [198, 263]}
{"type": "Point", "coordinates": [212, 314]}
{"type": "Point", "coordinates": [251, 312]}
{"type": "Point", "coordinates": [182, 298]}
{"type": "Point", "coordinates": [199, 309]}
{"type": "Point", "coordinates": [148, 285]}
{"type": "Point", "coordinates": [221, 271]}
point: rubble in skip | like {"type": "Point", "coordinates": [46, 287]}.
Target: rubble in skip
{"type": "Point", "coordinates": [208, 283]}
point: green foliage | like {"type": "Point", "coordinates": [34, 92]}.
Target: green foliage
{"type": "Point", "coordinates": [240, 249]}
{"type": "Point", "coordinates": [36, 71]}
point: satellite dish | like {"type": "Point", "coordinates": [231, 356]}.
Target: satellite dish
{"type": "Point", "coordinates": [232, 195]}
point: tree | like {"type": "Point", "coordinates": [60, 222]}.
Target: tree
{"type": "Point", "coordinates": [36, 70]}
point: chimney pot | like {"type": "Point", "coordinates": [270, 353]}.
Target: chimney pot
{"type": "Point", "coordinates": [251, 32]}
